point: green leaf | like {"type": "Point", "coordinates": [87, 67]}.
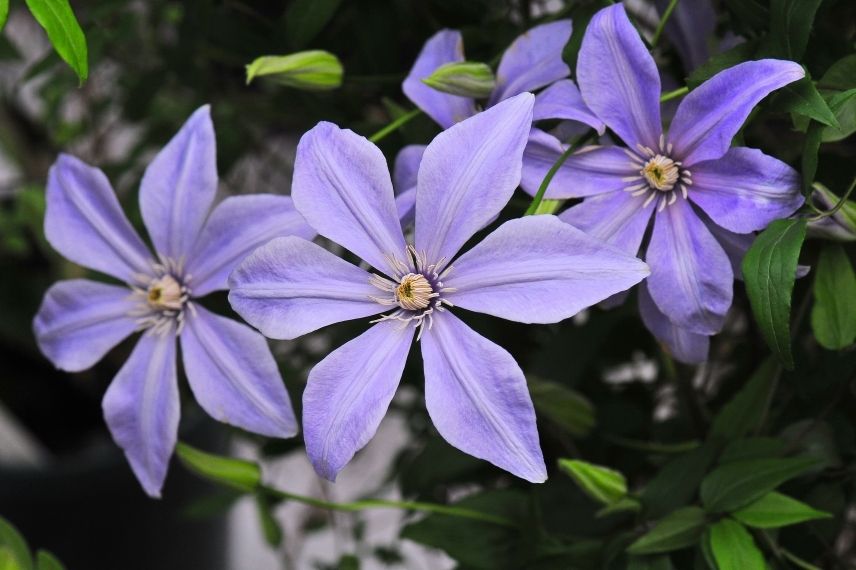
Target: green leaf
{"type": "Point", "coordinates": [235, 473]}
{"type": "Point", "coordinates": [677, 481]}
{"type": "Point", "coordinates": [802, 98]}
{"type": "Point", "coordinates": [4, 13]}
{"type": "Point", "coordinates": [271, 528]}
{"type": "Point", "coordinates": [841, 75]}
{"type": "Point", "coordinates": [752, 448]}
{"type": "Point", "coordinates": [602, 484]}
{"type": "Point", "coordinates": [833, 317]}
{"type": "Point", "coordinates": [308, 70]}
{"type": "Point", "coordinates": [64, 33]}
{"type": "Point", "coordinates": [738, 54]}
{"type": "Point", "coordinates": [14, 547]}
{"type": "Point", "coordinates": [622, 505]}
{"type": "Point", "coordinates": [775, 510]}
{"type": "Point", "coordinates": [840, 105]}
{"type": "Point", "coordinates": [735, 485]}
{"type": "Point", "coordinates": [661, 562]}
{"type": "Point", "coordinates": [304, 19]}
{"type": "Point", "coordinates": [739, 416]}
{"type": "Point", "coordinates": [733, 547]}
{"type": "Point", "coordinates": [790, 24]}
{"type": "Point", "coordinates": [752, 13]}
{"type": "Point", "coordinates": [565, 407]}
{"type": "Point", "coordinates": [47, 561]}
{"type": "Point", "coordinates": [680, 529]}
{"type": "Point", "coordinates": [769, 269]}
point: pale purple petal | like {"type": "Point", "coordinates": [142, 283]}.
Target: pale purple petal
{"type": "Point", "coordinates": [690, 29]}
{"type": "Point", "coordinates": [709, 117]}
{"type": "Point", "coordinates": [532, 61]}
{"type": "Point", "coordinates": [404, 181]}
{"type": "Point", "coordinates": [84, 222]}
{"type": "Point", "coordinates": [233, 375]}
{"type": "Point", "coordinates": [236, 227]}
{"type": "Point", "coordinates": [178, 186]}
{"type": "Point", "coordinates": [443, 47]}
{"type": "Point", "coordinates": [539, 269]}
{"type": "Point", "coordinates": [79, 321]}
{"type": "Point", "coordinates": [477, 398]}
{"type": "Point", "coordinates": [734, 245]}
{"type": "Point", "coordinates": [562, 100]}
{"type": "Point", "coordinates": [405, 204]}
{"type": "Point", "coordinates": [290, 287]}
{"type": "Point", "coordinates": [617, 218]}
{"type": "Point", "coordinates": [686, 346]}
{"type": "Point", "coordinates": [342, 187]}
{"type": "Point", "coordinates": [618, 78]}
{"type": "Point", "coordinates": [142, 409]}
{"type": "Point", "coordinates": [589, 171]}
{"type": "Point", "coordinates": [745, 190]}
{"type": "Point", "coordinates": [468, 174]}
{"type": "Point", "coordinates": [348, 393]}
{"type": "Point", "coordinates": [691, 279]}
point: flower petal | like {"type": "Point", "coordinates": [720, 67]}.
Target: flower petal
{"type": "Point", "coordinates": [467, 175]}
{"type": "Point", "coordinates": [290, 287]}
{"type": "Point", "coordinates": [617, 218]}
{"type": "Point", "coordinates": [443, 47]}
{"type": "Point", "coordinates": [348, 393]}
{"type": "Point", "coordinates": [689, 29]}
{"type": "Point", "coordinates": [342, 187]}
{"type": "Point", "coordinates": [562, 100]}
{"type": "Point", "coordinates": [233, 375]}
{"type": "Point", "coordinates": [618, 78]}
{"type": "Point", "coordinates": [404, 181]}
{"type": "Point", "coordinates": [405, 204]}
{"type": "Point", "coordinates": [236, 227]}
{"type": "Point", "coordinates": [538, 269]}
{"type": "Point", "coordinates": [686, 346]}
{"type": "Point", "coordinates": [691, 279]}
{"type": "Point", "coordinates": [179, 185]}
{"type": "Point", "coordinates": [477, 398]}
{"type": "Point", "coordinates": [79, 321]}
{"type": "Point", "coordinates": [589, 171]}
{"type": "Point", "coordinates": [84, 222]}
{"type": "Point", "coordinates": [745, 190]}
{"type": "Point", "coordinates": [532, 61]}
{"type": "Point", "coordinates": [709, 117]}
{"type": "Point", "coordinates": [142, 409]}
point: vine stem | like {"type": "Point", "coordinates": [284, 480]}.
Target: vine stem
{"type": "Point", "coordinates": [837, 207]}
{"type": "Point", "coordinates": [662, 24]}
{"type": "Point", "coordinates": [387, 504]}
{"type": "Point", "coordinates": [542, 189]}
{"type": "Point", "coordinates": [669, 95]}
{"type": "Point", "coordinates": [395, 125]}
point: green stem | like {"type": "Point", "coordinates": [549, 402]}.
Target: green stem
{"type": "Point", "coordinates": [659, 31]}
{"type": "Point", "coordinates": [395, 125]}
{"type": "Point", "coordinates": [542, 189]}
{"type": "Point", "coordinates": [652, 446]}
{"type": "Point", "coordinates": [669, 95]}
{"type": "Point", "coordinates": [837, 207]}
{"type": "Point", "coordinates": [387, 504]}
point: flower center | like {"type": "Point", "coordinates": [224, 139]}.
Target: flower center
{"type": "Point", "coordinates": [166, 293]}
{"type": "Point", "coordinates": [415, 287]}
{"type": "Point", "coordinates": [163, 296]}
{"type": "Point", "coordinates": [658, 176]}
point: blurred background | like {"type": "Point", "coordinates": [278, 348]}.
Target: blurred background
{"type": "Point", "coordinates": [63, 482]}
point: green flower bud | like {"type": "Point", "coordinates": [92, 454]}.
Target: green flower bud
{"type": "Point", "coordinates": [465, 78]}
{"type": "Point", "coordinates": [841, 226]}
{"type": "Point", "coordinates": [308, 70]}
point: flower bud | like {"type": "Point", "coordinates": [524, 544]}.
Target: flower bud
{"type": "Point", "coordinates": [308, 70]}
{"type": "Point", "coordinates": [465, 78]}
{"type": "Point", "coordinates": [841, 226]}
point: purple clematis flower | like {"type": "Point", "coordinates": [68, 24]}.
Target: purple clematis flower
{"type": "Point", "coordinates": [532, 61]}
{"type": "Point", "coordinates": [229, 366]}
{"type": "Point", "coordinates": [706, 197]}
{"type": "Point", "coordinates": [533, 270]}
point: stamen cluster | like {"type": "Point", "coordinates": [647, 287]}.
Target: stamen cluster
{"type": "Point", "coordinates": [658, 174]}
{"type": "Point", "coordinates": [163, 297]}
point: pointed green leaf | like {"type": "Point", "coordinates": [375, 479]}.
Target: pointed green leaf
{"type": "Point", "coordinates": [236, 473]}
{"type": "Point", "coordinates": [833, 317]}
{"type": "Point", "coordinates": [680, 529]}
{"type": "Point", "coordinates": [622, 505]}
{"type": "Point", "coordinates": [739, 416]}
{"type": "Point", "coordinates": [64, 33]}
{"type": "Point", "coordinates": [769, 269]}
{"type": "Point", "coordinates": [602, 484]}
{"type": "Point", "coordinates": [4, 13]}
{"type": "Point", "coordinates": [790, 24]}
{"type": "Point", "coordinates": [47, 561]}
{"type": "Point", "coordinates": [775, 510]}
{"type": "Point", "coordinates": [802, 97]}
{"type": "Point", "coordinates": [565, 407]}
{"type": "Point", "coordinates": [677, 482]}
{"type": "Point", "coordinates": [14, 548]}
{"type": "Point", "coordinates": [735, 485]}
{"type": "Point", "coordinates": [733, 547]}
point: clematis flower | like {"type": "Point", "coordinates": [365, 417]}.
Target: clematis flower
{"type": "Point", "coordinates": [229, 366]}
{"type": "Point", "coordinates": [533, 270]}
{"type": "Point", "coordinates": [704, 197]}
